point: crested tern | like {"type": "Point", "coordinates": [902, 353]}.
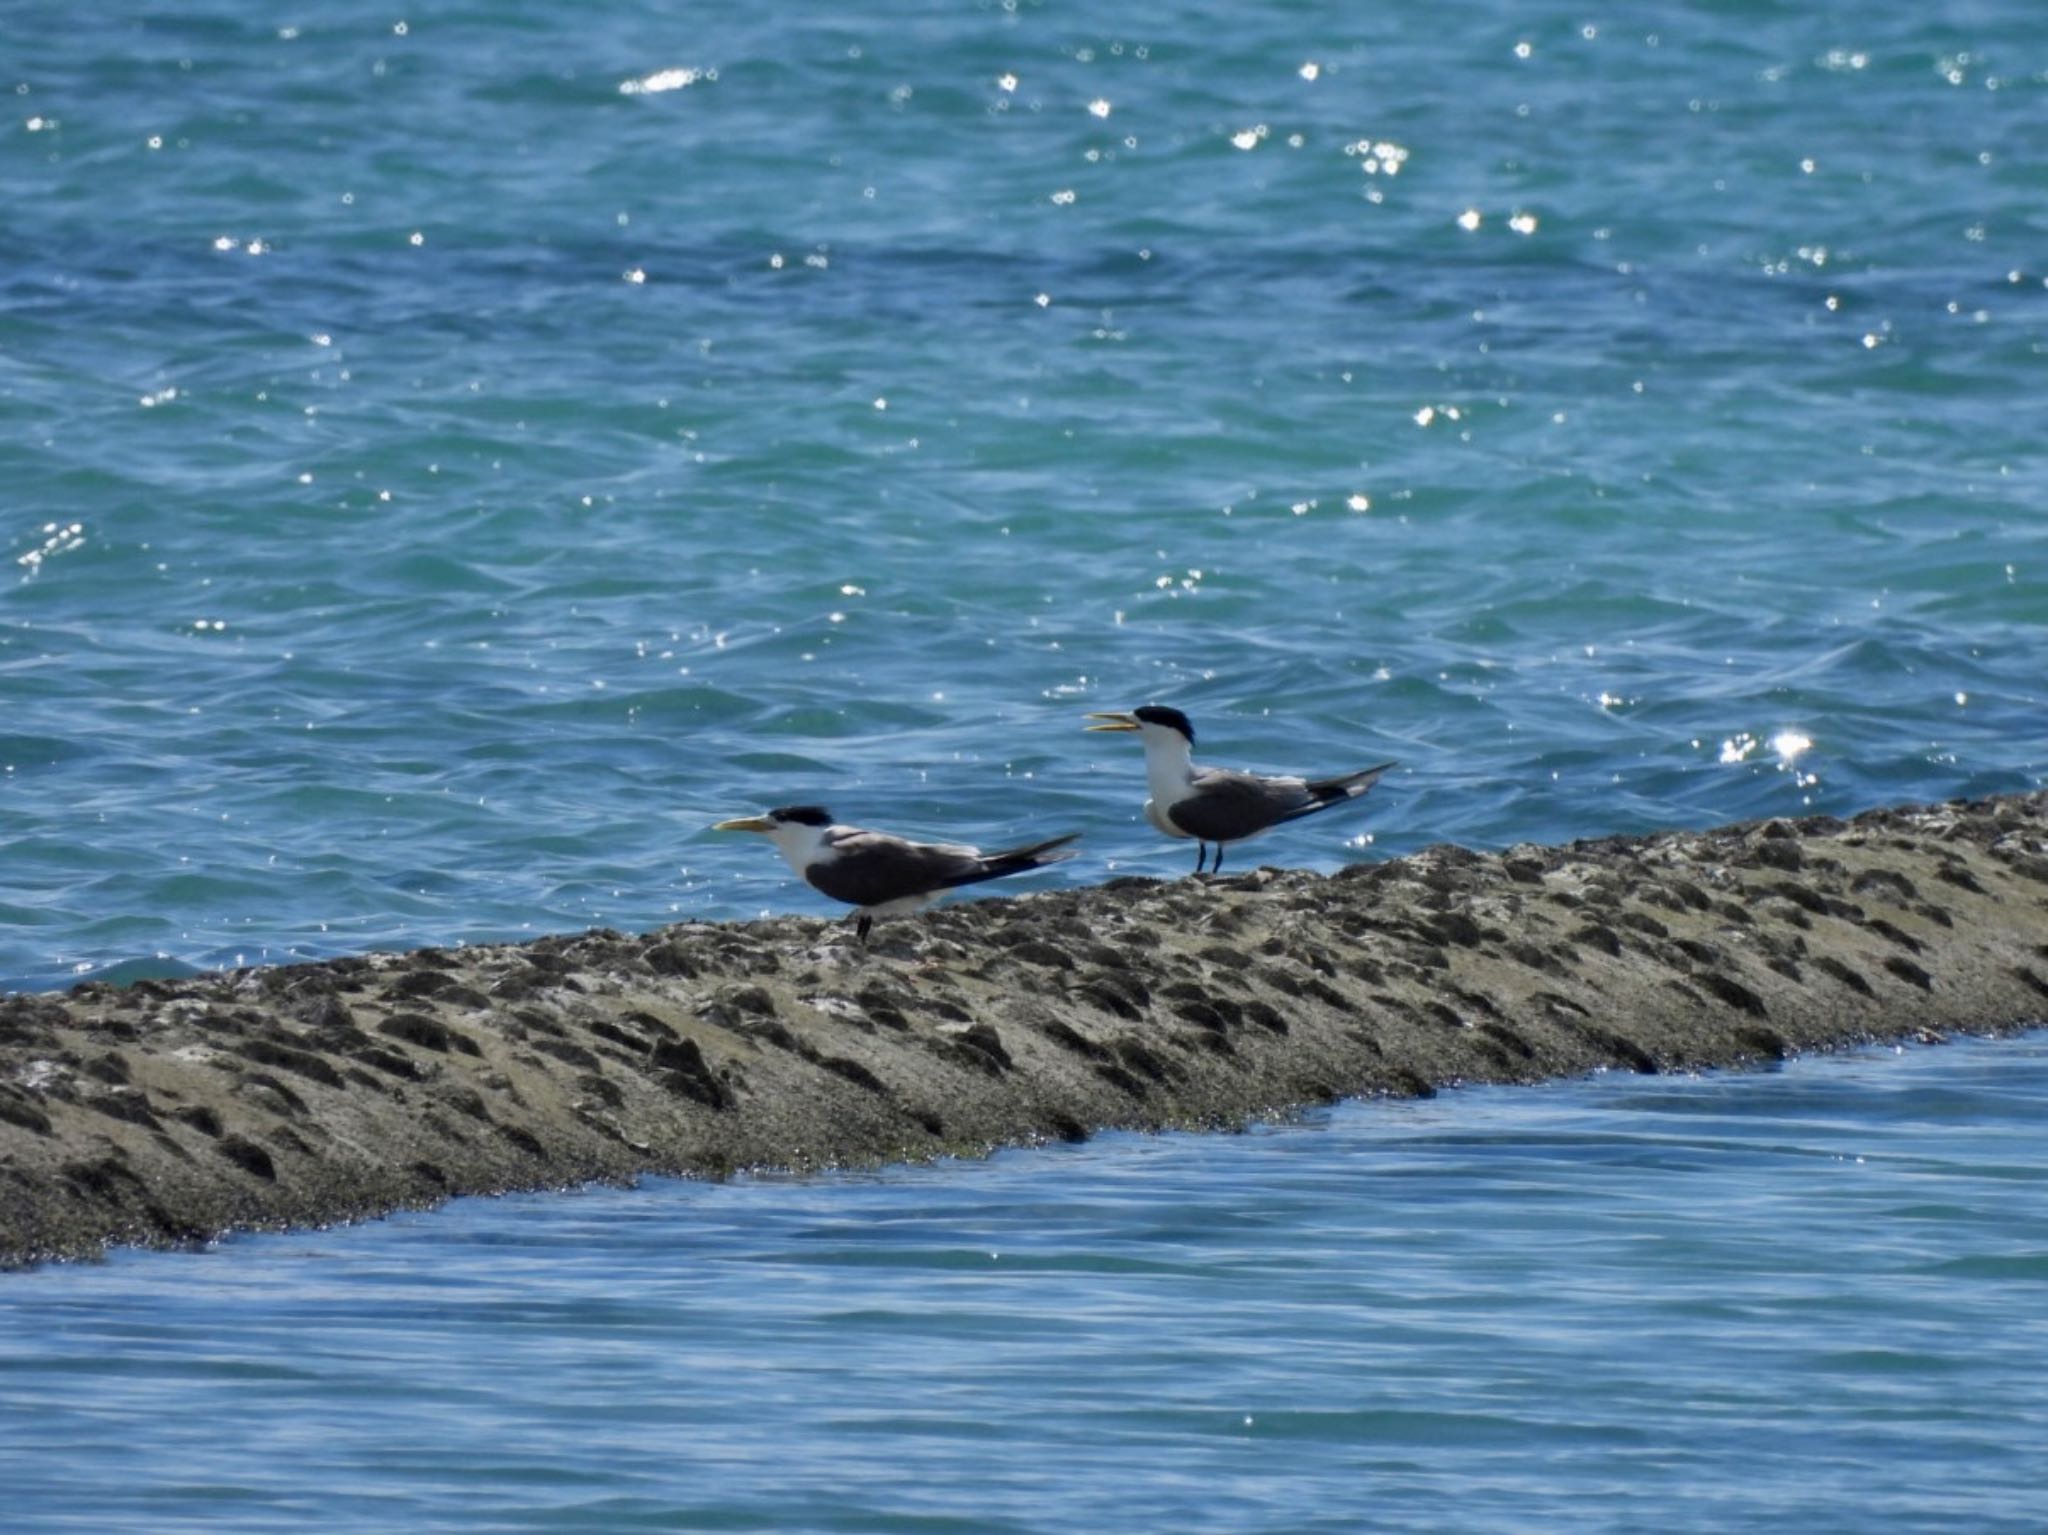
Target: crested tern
{"type": "Point", "coordinates": [881, 875]}
{"type": "Point", "coordinates": [1220, 805]}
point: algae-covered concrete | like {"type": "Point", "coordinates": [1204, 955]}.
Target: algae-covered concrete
{"type": "Point", "coordinates": [168, 1112]}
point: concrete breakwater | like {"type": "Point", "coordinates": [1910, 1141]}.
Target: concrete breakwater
{"type": "Point", "coordinates": [167, 1112]}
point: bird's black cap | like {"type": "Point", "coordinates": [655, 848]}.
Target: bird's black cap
{"type": "Point", "coordinates": [802, 815]}
{"type": "Point", "coordinates": [1172, 719]}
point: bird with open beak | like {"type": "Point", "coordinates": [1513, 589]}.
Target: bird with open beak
{"type": "Point", "coordinates": [1220, 805]}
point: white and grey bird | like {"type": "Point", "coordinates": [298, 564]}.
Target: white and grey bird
{"type": "Point", "coordinates": [1221, 805]}
{"type": "Point", "coordinates": [881, 875]}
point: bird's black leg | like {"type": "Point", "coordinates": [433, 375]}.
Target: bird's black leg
{"type": "Point", "coordinates": [861, 926]}
{"type": "Point", "coordinates": [1216, 865]}
{"type": "Point", "coordinates": [1201, 855]}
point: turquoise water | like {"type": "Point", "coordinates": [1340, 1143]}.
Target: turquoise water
{"type": "Point", "coordinates": [447, 459]}
{"type": "Point", "coordinates": [1807, 1300]}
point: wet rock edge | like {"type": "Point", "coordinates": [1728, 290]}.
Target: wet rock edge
{"type": "Point", "coordinates": [168, 1113]}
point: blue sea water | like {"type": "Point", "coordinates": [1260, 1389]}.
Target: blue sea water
{"type": "Point", "coordinates": [1809, 1300]}
{"type": "Point", "coordinates": [449, 455]}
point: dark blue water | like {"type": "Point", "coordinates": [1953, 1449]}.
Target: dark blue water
{"type": "Point", "coordinates": [447, 460]}
{"type": "Point", "coordinates": [1809, 1300]}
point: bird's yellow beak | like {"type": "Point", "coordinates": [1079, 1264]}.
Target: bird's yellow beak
{"type": "Point", "coordinates": [1118, 721]}
{"type": "Point", "coordinates": [746, 823]}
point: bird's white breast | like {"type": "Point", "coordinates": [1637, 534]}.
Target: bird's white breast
{"type": "Point", "coordinates": [1169, 775]}
{"type": "Point", "coordinates": [802, 846]}
{"type": "Point", "coordinates": [1158, 819]}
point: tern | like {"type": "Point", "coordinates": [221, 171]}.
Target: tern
{"type": "Point", "coordinates": [1221, 805]}
{"type": "Point", "coordinates": [881, 875]}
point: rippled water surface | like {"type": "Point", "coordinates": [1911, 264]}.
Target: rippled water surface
{"type": "Point", "coordinates": [447, 459]}
{"type": "Point", "coordinates": [1805, 1300]}
{"type": "Point", "coordinates": [450, 456]}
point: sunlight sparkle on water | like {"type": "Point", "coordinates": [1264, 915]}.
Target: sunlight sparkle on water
{"type": "Point", "coordinates": [1788, 744]}
{"type": "Point", "coordinates": [665, 80]}
{"type": "Point", "coordinates": [1378, 156]}
{"type": "Point", "coordinates": [63, 537]}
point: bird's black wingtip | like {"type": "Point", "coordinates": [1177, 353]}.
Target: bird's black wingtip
{"type": "Point", "coordinates": [1034, 854]}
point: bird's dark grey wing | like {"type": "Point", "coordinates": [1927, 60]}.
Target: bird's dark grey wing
{"type": "Point", "coordinates": [871, 867]}
{"type": "Point", "coordinates": [1227, 805]}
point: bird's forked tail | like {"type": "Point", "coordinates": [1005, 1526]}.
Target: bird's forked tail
{"type": "Point", "coordinates": [1335, 791]}
{"type": "Point", "coordinates": [1033, 855]}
